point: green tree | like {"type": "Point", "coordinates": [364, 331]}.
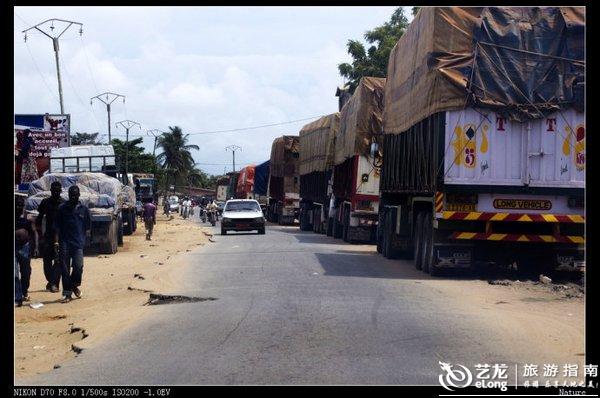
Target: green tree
{"type": "Point", "coordinates": [138, 161]}
{"type": "Point", "coordinates": [415, 10]}
{"type": "Point", "coordinates": [374, 60]}
{"type": "Point", "coordinates": [85, 139]}
{"type": "Point", "coordinates": [176, 157]}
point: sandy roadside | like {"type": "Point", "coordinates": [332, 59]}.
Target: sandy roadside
{"type": "Point", "coordinates": [114, 289]}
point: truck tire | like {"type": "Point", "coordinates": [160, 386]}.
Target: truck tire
{"type": "Point", "coordinates": [388, 236]}
{"type": "Point", "coordinates": [330, 226]}
{"type": "Point", "coordinates": [428, 241]}
{"type": "Point", "coordinates": [379, 233]}
{"type": "Point", "coordinates": [126, 215]}
{"type": "Point", "coordinates": [120, 232]}
{"type": "Point", "coordinates": [337, 232]}
{"type": "Point", "coordinates": [418, 238]}
{"type": "Point", "coordinates": [134, 221]}
{"type": "Point", "coordinates": [111, 244]}
{"type": "Point", "coordinates": [346, 225]}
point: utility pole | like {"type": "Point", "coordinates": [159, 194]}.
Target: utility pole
{"type": "Point", "coordinates": [233, 148]}
{"type": "Point", "coordinates": [127, 124]}
{"type": "Point", "coordinates": [56, 48]}
{"type": "Point", "coordinates": [154, 133]}
{"type": "Point", "coordinates": [110, 98]}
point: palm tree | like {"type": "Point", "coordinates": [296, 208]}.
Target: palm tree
{"type": "Point", "coordinates": [176, 155]}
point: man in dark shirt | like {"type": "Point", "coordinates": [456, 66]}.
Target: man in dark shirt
{"type": "Point", "coordinates": [25, 243]}
{"type": "Point", "coordinates": [72, 223]}
{"type": "Point", "coordinates": [149, 214]}
{"type": "Point", "coordinates": [48, 209]}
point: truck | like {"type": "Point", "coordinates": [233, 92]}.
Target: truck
{"type": "Point", "coordinates": [232, 187]}
{"type": "Point", "coordinates": [284, 185]}
{"type": "Point", "coordinates": [261, 184]}
{"type": "Point", "coordinates": [484, 139]}
{"type": "Point", "coordinates": [317, 140]}
{"type": "Point", "coordinates": [354, 202]}
{"type": "Point", "coordinates": [221, 189]}
{"type": "Point", "coordinates": [245, 183]}
{"type": "Point", "coordinates": [94, 170]}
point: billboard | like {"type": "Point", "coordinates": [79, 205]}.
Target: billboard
{"type": "Point", "coordinates": [35, 136]}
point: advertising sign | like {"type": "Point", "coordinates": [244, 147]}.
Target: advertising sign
{"type": "Point", "coordinates": [35, 136]}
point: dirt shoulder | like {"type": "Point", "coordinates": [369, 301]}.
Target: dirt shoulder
{"type": "Point", "coordinates": [114, 289]}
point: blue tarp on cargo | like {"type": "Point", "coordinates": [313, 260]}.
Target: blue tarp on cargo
{"type": "Point", "coordinates": [261, 178]}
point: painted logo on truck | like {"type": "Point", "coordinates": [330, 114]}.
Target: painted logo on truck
{"type": "Point", "coordinates": [465, 144]}
{"type": "Point", "coordinates": [578, 148]}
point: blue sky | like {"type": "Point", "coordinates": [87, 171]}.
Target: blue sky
{"type": "Point", "coordinates": [201, 68]}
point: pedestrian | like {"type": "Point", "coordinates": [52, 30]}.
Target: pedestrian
{"type": "Point", "coordinates": [72, 223]}
{"type": "Point", "coordinates": [28, 165]}
{"type": "Point", "coordinates": [149, 217]}
{"type": "Point", "coordinates": [45, 222]}
{"type": "Point", "coordinates": [25, 247]}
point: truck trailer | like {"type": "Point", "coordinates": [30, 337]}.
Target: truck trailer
{"type": "Point", "coordinates": [284, 185]}
{"type": "Point", "coordinates": [317, 140]}
{"type": "Point", "coordinates": [245, 183]}
{"type": "Point", "coordinates": [221, 190]}
{"type": "Point", "coordinates": [354, 203]}
{"type": "Point", "coordinates": [484, 139]}
{"type": "Point", "coordinates": [261, 184]}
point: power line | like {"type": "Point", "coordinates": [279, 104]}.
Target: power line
{"type": "Point", "coordinates": [251, 128]}
{"type": "Point", "coordinates": [40, 72]}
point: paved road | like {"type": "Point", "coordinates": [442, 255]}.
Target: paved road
{"type": "Point", "coordinates": [294, 308]}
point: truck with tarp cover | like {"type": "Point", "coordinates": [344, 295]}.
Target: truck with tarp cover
{"type": "Point", "coordinates": [317, 140]}
{"type": "Point", "coordinates": [245, 183]}
{"type": "Point", "coordinates": [353, 212]}
{"type": "Point", "coordinates": [106, 198]}
{"type": "Point", "coordinates": [484, 139]}
{"type": "Point", "coordinates": [261, 183]}
{"type": "Point", "coordinates": [283, 184]}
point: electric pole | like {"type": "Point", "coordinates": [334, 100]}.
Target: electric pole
{"type": "Point", "coordinates": [233, 148]}
{"type": "Point", "coordinates": [127, 124]}
{"type": "Point", "coordinates": [56, 48]}
{"type": "Point", "coordinates": [154, 133]}
{"type": "Point", "coordinates": [110, 98]}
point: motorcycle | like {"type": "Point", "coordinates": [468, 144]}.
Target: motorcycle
{"type": "Point", "coordinates": [212, 217]}
{"type": "Point", "coordinates": [203, 214]}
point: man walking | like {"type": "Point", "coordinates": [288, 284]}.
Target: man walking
{"type": "Point", "coordinates": [45, 221]}
{"type": "Point", "coordinates": [72, 223]}
{"type": "Point", "coordinates": [149, 213]}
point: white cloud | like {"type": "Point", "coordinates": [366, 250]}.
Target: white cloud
{"type": "Point", "coordinates": [201, 68]}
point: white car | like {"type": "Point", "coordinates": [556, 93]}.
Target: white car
{"type": "Point", "coordinates": [174, 203]}
{"type": "Point", "coordinates": [242, 215]}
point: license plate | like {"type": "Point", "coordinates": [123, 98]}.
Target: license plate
{"type": "Point", "coordinates": [242, 225]}
{"type": "Point", "coordinates": [460, 207]}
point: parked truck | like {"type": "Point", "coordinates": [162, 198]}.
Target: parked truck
{"type": "Point", "coordinates": [354, 203]}
{"type": "Point", "coordinates": [284, 185]}
{"type": "Point", "coordinates": [245, 183]}
{"type": "Point", "coordinates": [484, 139]}
{"type": "Point", "coordinates": [317, 140]}
{"type": "Point", "coordinates": [221, 190]}
{"type": "Point", "coordinates": [261, 184]}
{"type": "Point", "coordinates": [94, 170]}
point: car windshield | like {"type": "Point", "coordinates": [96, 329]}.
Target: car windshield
{"type": "Point", "coordinates": [242, 206]}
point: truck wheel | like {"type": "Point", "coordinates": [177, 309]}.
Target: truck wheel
{"type": "Point", "coordinates": [427, 243]}
{"type": "Point", "coordinates": [346, 225]}
{"type": "Point", "coordinates": [379, 234]}
{"type": "Point", "coordinates": [428, 258]}
{"type": "Point", "coordinates": [330, 226]}
{"type": "Point", "coordinates": [336, 230]}
{"type": "Point", "coordinates": [388, 236]}
{"type": "Point", "coordinates": [120, 232]}
{"type": "Point", "coordinates": [127, 229]}
{"type": "Point", "coordinates": [111, 245]}
{"type": "Point", "coordinates": [134, 221]}
{"type": "Point", "coordinates": [418, 238]}
{"type": "Point", "coordinates": [114, 241]}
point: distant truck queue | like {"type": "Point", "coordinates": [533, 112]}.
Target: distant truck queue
{"type": "Point", "coordinates": [464, 154]}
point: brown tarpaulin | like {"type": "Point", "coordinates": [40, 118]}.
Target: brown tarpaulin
{"type": "Point", "coordinates": [317, 144]}
{"type": "Point", "coordinates": [289, 144]}
{"type": "Point", "coordinates": [360, 119]}
{"type": "Point", "coordinates": [520, 61]}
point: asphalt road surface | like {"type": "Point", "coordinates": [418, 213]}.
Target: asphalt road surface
{"type": "Point", "coordinates": [294, 308]}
